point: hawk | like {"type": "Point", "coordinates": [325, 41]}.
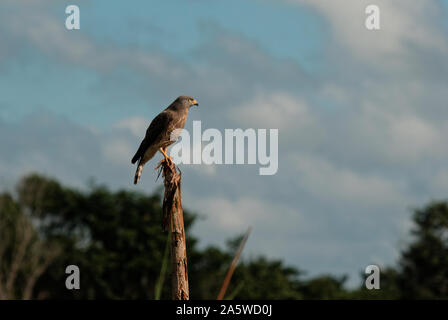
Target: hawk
{"type": "Point", "coordinates": [158, 135]}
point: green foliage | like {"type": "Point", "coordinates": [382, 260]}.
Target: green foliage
{"type": "Point", "coordinates": [389, 287]}
{"type": "Point", "coordinates": [163, 270]}
{"type": "Point", "coordinates": [264, 279]}
{"type": "Point", "coordinates": [116, 240]}
{"type": "Point", "coordinates": [424, 263]}
{"type": "Point", "coordinates": [324, 287]}
{"type": "Point", "coordinates": [114, 237]}
{"type": "Point", "coordinates": [422, 271]}
{"type": "Point", "coordinates": [24, 253]}
{"type": "Point", "coordinates": [206, 272]}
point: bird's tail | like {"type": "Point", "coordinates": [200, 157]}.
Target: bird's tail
{"type": "Point", "coordinates": [138, 173]}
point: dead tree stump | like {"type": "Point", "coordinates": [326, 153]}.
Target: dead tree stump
{"type": "Point", "coordinates": [173, 218]}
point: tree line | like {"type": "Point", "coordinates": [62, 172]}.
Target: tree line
{"type": "Point", "coordinates": [115, 239]}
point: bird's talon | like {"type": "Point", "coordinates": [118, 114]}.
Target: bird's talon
{"type": "Point", "coordinates": [169, 161]}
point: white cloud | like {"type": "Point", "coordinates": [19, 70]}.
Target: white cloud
{"type": "Point", "coordinates": [438, 183]}
{"type": "Point", "coordinates": [118, 150]}
{"type": "Point", "coordinates": [404, 23]}
{"type": "Point", "coordinates": [275, 226]}
{"type": "Point", "coordinates": [330, 182]}
{"type": "Point", "coordinates": [274, 110]}
{"type": "Point", "coordinates": [50, 144]}
{"type": "Point", "coordinates": [396, 136]}
{"type": "Point", "coordinates": [136, 125]}
{"type": "Point", "coordinates": [413, 137]}
{"type": "Point", "coordinates": [230, 216]}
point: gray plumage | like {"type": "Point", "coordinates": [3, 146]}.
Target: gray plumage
{"type": "Point", "coordinates": [159, 131]}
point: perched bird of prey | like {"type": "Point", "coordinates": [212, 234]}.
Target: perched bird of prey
{"type": "Point", "coordinates": [158, 135]}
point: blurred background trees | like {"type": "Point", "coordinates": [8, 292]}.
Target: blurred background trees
{"type": "Point", "coordinates": [424, 264]}
{"type": "Point", "coordinates": [115, 239]}
{"type": "Point", "coordinates": [24, 253]}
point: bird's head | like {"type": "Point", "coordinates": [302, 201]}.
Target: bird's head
{"type": "Point", "coordinates": [186, 101]}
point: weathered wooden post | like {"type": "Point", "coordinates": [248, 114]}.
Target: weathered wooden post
{"type": "Point", "coordinates": [173, 217]}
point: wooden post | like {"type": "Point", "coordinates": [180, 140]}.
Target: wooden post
{"type": "Point", "coordinates": [173, 217]}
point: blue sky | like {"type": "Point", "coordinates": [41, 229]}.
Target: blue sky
{"type": "Point", "coordinates": [361, 115]}
{"type": "Point", "coordinates": [174, 28]}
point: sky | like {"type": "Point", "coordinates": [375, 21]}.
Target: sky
{"type": "Point", "coordinates": [361, 114]}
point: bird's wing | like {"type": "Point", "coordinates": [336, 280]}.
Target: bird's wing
{"type": "Point", "coordinates": [157, 127]}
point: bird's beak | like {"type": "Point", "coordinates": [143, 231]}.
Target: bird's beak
{"type": "Point", "coordinates": [195, 102]}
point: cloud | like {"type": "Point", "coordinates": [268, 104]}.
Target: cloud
{"type": "Point", "coordinates": [326, 180]}
{"type": "Point", "coordinates": [118, 150]}
{"type": "Point", "coordinates": [225, 217]}
{"type": "Point", "coordinates": [234, 215]}
{"type": "Point", "coordinates": [136, 125]}
{"type": "Point", "coordinates": [273, 110]}
{"type": "Point", "coordinates": [438, 183]}
{"type": "Point", "coordinates": [404, 27]}
{"type": "Point", "coordinates": [51, 144]}
{"type": "Point", "coordinates": [394, 136]}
